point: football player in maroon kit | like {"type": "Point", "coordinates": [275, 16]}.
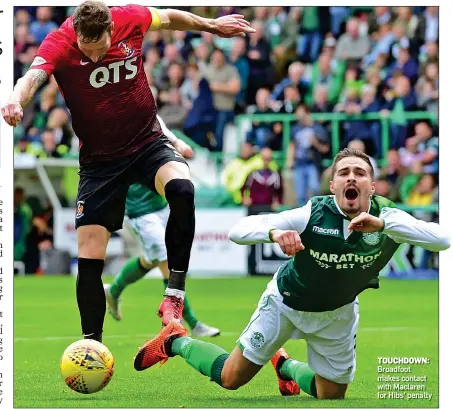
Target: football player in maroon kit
{"type": "Point", "coordinates": [95, 57]}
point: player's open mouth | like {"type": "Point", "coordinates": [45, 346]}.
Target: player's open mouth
{"type": "Point", "coordinates": [351, 193]}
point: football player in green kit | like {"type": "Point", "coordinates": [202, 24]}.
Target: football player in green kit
{"type": "Point", "coordinates": [147, 214]}
{"type": "Point", "coordinates": [339, 244]}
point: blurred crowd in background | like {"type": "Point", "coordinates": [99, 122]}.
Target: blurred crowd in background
{"type": "Point", "coordinates": [302, 60]}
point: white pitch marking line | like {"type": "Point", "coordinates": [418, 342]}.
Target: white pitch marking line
{"type": "Point", "coordinates": [148, 336]}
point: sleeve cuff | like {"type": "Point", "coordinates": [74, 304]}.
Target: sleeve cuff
{"type": "Point", "coordinates": [269, 234]}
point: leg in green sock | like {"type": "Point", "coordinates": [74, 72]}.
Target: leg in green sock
{"type": "Point", "coordinates": [187, 313]}
{"type": "Point", "coordinates": [301, 373]}
{"type": "Point", "coordinates": [230, 371]}
{"type": "Point", "coordinates": [131, 272]}
{"type": "Point", "coordinates": [206, 358]}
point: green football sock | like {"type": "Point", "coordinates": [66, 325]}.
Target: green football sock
{"type": "Point", "coordinates": [131, 272]}
{"type": "Point", "coordinates": [188, 315]}
{"type": "Point", "coordinates": [301, 373]}
{"type": "Point", "coordinates": [187, 312]}
{"type": "Point", "coordinates": [206, 358]}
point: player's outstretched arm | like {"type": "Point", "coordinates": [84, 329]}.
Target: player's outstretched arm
{"type": "Point", "coordinates": [261, 228]}
{"type": "Point", "coordinates": [22, 94]}
{"type": "Point", "coordinates": [404, 228]}
{"type": "Point", "coordinates": [226, 26]}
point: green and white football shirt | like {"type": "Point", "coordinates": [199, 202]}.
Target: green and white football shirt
{"type": "Point", "coordinates": [336, 264]}
{"type": "Point", "coordinates": [140, 201]}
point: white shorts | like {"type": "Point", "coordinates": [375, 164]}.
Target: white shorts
{"type": "Point", "coordinates": [149, 231]}
{"type": "Point", "coordinates": [330, 335]}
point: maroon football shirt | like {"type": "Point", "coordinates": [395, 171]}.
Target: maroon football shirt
{"type": "Point", "coordinates": [113, 110]}
{"type": "Point", "coordinates": [265, 187]}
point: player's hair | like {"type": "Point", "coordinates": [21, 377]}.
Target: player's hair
{"type": "Point", "coordinates": [348, 152]}
{"type": "Point", "coordinates": [91, 20]}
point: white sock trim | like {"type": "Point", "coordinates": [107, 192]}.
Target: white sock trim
{"type": "Point", "coordinates": [175, 292]}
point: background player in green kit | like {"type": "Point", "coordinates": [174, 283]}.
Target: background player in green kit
{"type": "Point", "coordinates": [338, 244]}
{"type": "Point", "coordinates": [147, 214]}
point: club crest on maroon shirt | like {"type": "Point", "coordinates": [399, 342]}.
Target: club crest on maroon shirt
{"type": "Point", "coordinates": [126, 49]}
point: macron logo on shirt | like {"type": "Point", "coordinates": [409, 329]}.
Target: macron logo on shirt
{"type": "Point", "coordinates": [332, 232]}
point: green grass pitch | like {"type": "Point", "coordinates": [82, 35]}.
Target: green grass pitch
{"type": "Point", "coordinates": [400, 319]}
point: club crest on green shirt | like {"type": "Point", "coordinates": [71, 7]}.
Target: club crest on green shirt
{"type": "Point", "coordinates": [371, 238]}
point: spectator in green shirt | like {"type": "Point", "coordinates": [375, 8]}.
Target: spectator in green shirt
{"type": "Point", "coordinates": [324, 75]}
{"type": "Point", "coordinates": [285, 50]}
{"type": "Point", "coordinates": [310, 40]}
